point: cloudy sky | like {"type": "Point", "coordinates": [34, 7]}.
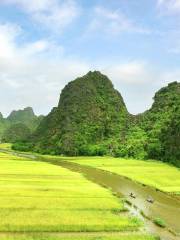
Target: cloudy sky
{"type": "Point", "coordinates": [46, 43]}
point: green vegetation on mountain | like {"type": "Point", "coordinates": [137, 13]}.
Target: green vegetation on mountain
{"type": "Point", "coordinates": [15, 133]}
{"type": "Point", "coordinates": [91, 119]}
{"type": "Point", "coordinates": [162, 124]}
{"type": "Point", "coordinates": [25, 116]}
{"type": "Point", "coordinates": [17, 122]}
{"type": "Point", "coordinates": [170, 140]}
{"type": "Point", "coordinates": [155, 134]}
{"type": "Point", "coordinates": [1, 116]}
{"type": "Point", "coordinates": [3, 125]}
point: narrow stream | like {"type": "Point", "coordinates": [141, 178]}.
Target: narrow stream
{"type": "Point", "coordinates": [165, 206]}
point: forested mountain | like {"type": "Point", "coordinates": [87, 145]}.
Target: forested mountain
{"type": "Point", "coordinates": [3, 125]}
{"type": "Point", "coordinates": [26, 117]}
{"type": "Point", "coordinates": [91, 119]}
{"type": "Point", "coordinates": [155, 134]}
{"type": "Point", "coordinates": [16, 132]}
{"type": "Point", "coordinates": [162, 124]}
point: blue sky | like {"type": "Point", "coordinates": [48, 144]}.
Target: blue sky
{"type": "Point", "coordinates": [46, 43]}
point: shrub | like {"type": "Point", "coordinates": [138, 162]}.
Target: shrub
{"type": "Point", "coordinates": [159, 222]}
{"type": "Point", "coordinates": [22, 146]}
{"type": "Point", "coordinates": [93, 150]}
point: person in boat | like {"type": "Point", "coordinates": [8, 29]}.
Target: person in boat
{"type": "Point", "coordinates": [132, 195]}
{"type": "Point", "coordinates": [150, 199]}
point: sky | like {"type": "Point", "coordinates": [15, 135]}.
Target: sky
{"type": "Point", "coordinates": [44, 44]}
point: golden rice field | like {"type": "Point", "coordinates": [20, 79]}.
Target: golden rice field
{"type": "Point", "coordinates": [38, 199]}
{"type": "Point", "coordinates": [103, 236]}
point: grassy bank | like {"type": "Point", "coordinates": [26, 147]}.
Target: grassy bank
{"type": "Point", "coordinates": [152, 173]}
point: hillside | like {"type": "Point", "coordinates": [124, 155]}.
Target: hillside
{"type": "Point", "coordinates": [91, 119]}
{"type": "Point", "coordinates": [3, 125]}
{"type": "Point", "coordinates": [16, 132]}
{"type": "Point", "coordinates": [25, 117]}
{"type": "Point", "coordinates": [154, 134]}
{"type": "Point", "coordinates": [162, 124]}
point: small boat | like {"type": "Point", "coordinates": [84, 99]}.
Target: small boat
{"type": "Point", "coordinates": [150, 200]}
{"type": "Point", "coordinates": [132, 195]}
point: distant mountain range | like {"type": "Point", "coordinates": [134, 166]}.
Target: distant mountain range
{"type": "Point", "coordinates": [19, 124]}
{"type": "Point", "coordinates": [92, 119]}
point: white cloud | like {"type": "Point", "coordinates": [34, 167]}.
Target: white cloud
{"type": "Point", "coordinates": [34, 73]}
{"type": "Point", "coordinates": [10, 50]}
{"type": "Point", "coordinates": [171, 76]}
{"type": "Point", "coordinates": [175, 49]}
{"type": "Point", "coordinates": [133, 72]}
{"type": "Point", "coordinates": [31, 6]}
{"type": "Point", "coordinates": [169, 6]}
{"type": "Point", "coordinates": [137, 81]}
{"type": "Point", "coordinates": [112, 22]}
{"type": "Point", "coordinates": [52, 14]}
{"type": "Point", "coordinates": [172, 40]}
{"type": "Point", "coordinates": [7, 35]}
{"type": "Point", "coordinates": [28, 76]}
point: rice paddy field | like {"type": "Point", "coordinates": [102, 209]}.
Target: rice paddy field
{"type": "Point", "coordinates": [159, 175]}
{"type": "Point", "coordinates": [38, 199]}
{"type": "Point", "coordinates": [72, 237]}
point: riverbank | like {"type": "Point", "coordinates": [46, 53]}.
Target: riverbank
{"type": "Point", "coordinates": [156, 174]}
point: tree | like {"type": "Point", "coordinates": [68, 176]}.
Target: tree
{"type": "Point", "coordinates": [15, 133]}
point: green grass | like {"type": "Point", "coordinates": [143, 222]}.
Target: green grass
{"type": "Point", "coordinates": [152, 173]}
{"type": "Point", "coordinates": [5, 146]}
{"type": "Point", "coordinates": [72, 237]}
{"type": "Point", "coordinates": [40, 197]}
{"type": "Point", "coordinates": [159, 222]}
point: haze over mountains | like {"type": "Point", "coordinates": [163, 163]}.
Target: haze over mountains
{"type": "Point", "coordinates": [92, 119]}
